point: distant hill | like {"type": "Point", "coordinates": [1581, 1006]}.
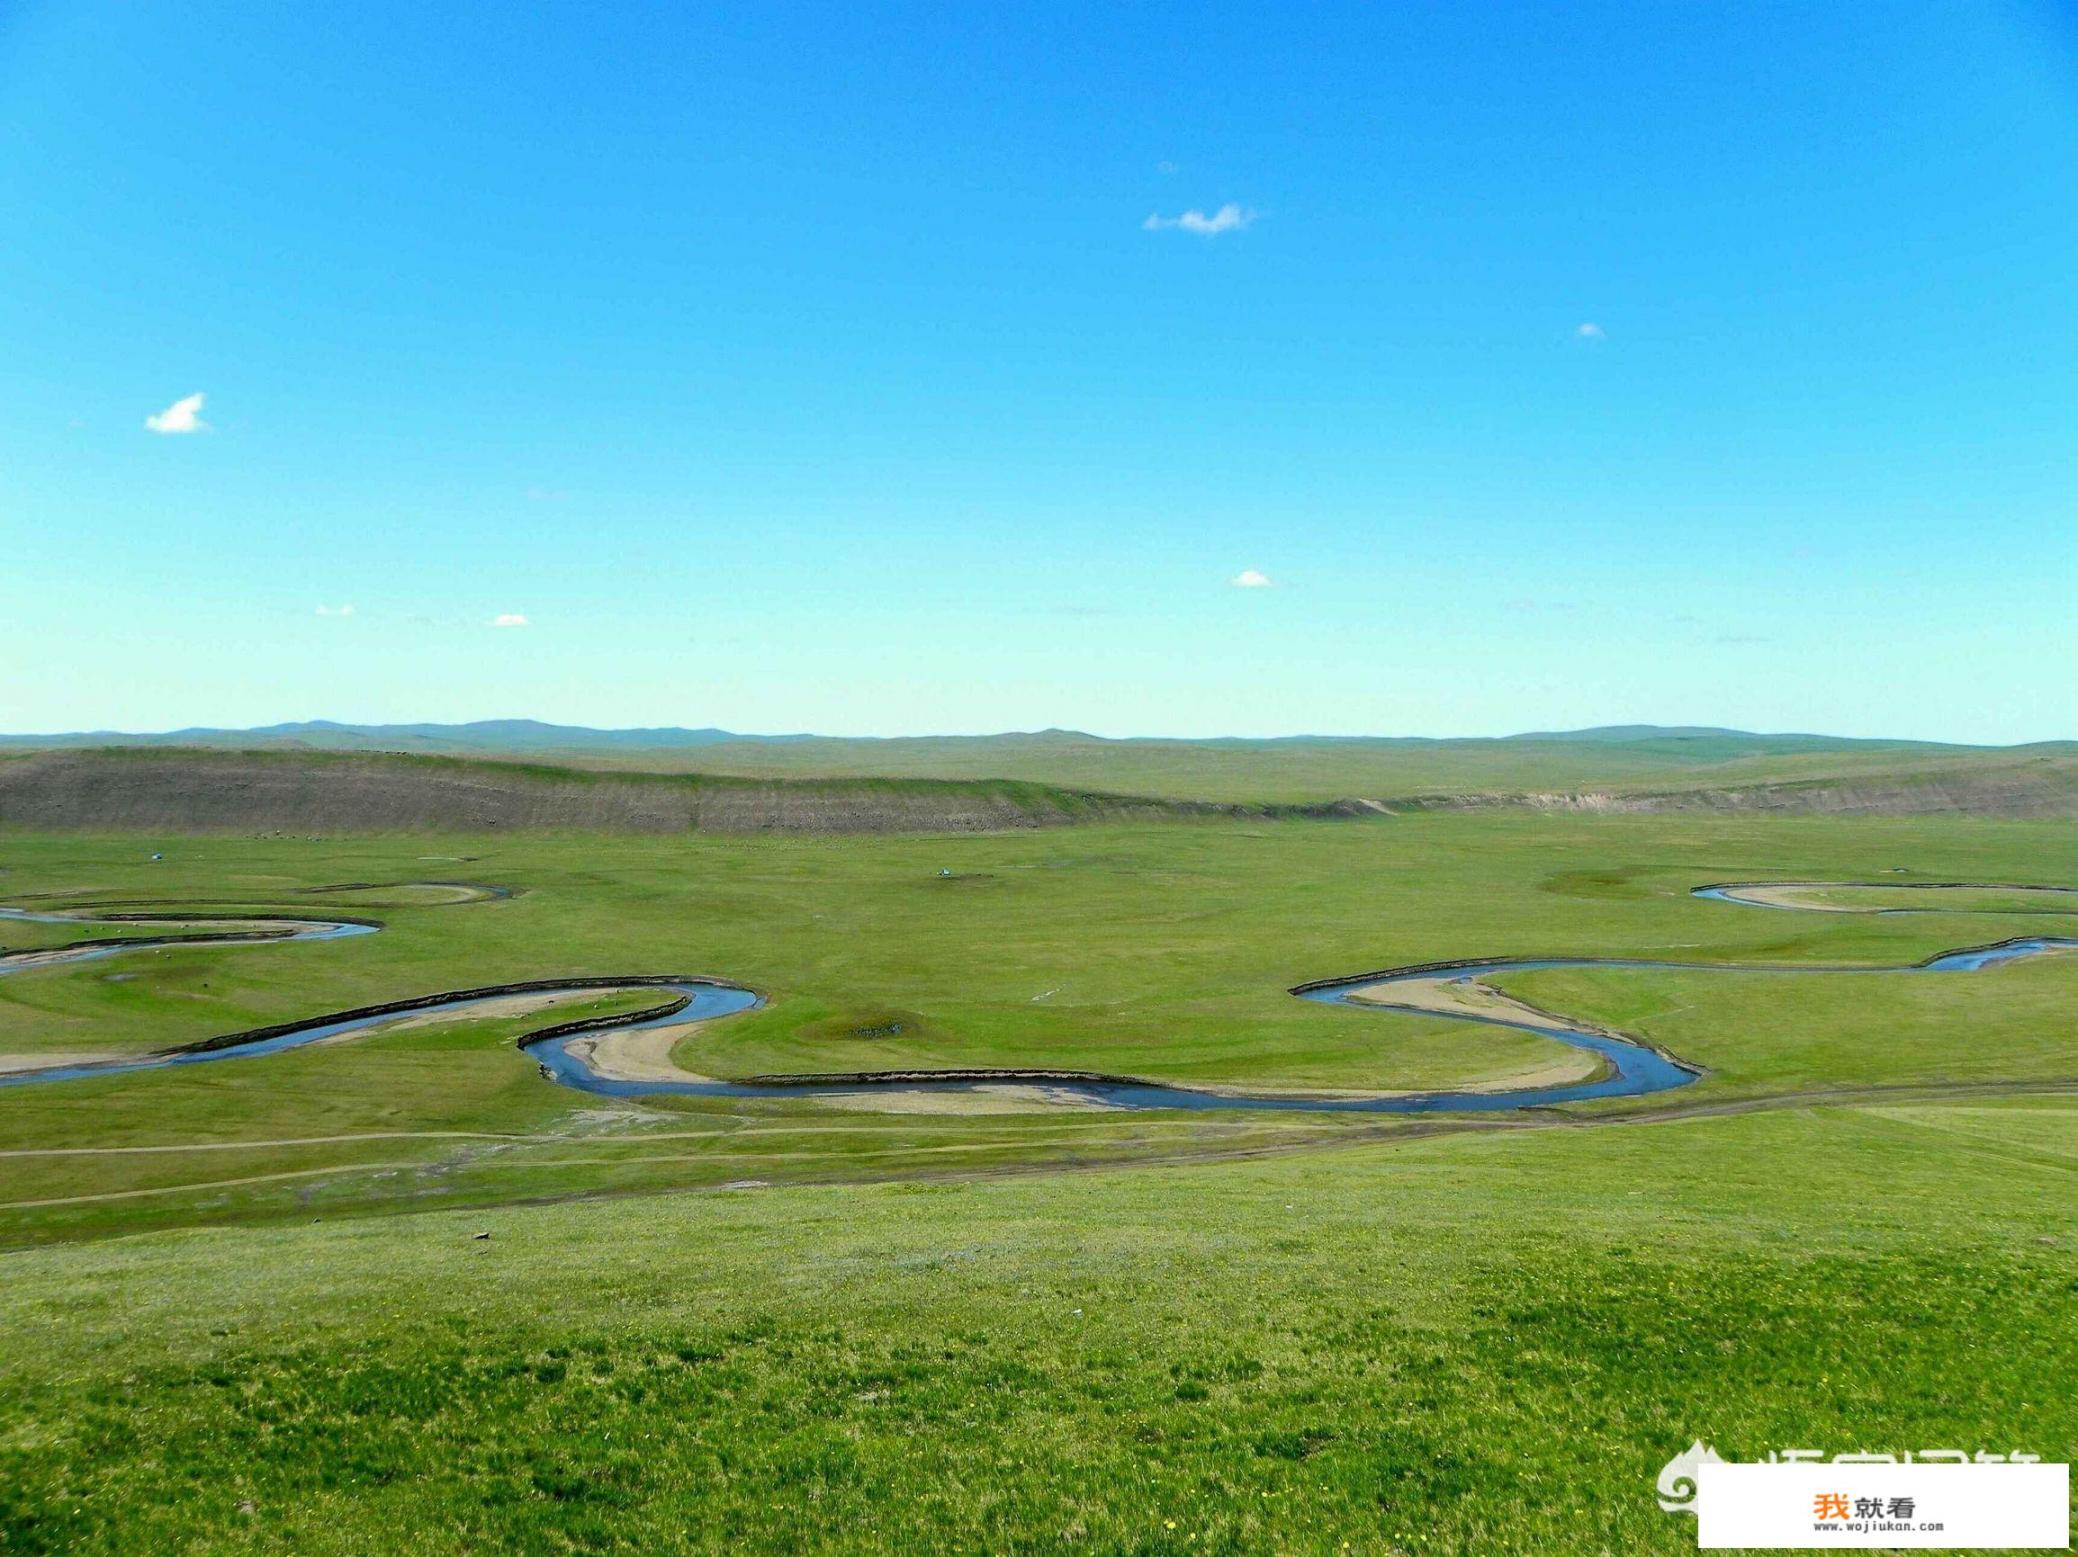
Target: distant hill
{"type": "Point", "coordinates": [196, 790]}
{"type": "Point", "coordinates": [1629, 767]}
{"type": "Point", "coordinates": [1710, 742]}
{"type": "Point", "coordinates": [535, 736]}
{"type": "Point", "coordinates": [504, 735]}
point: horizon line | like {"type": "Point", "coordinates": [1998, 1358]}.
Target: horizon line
{"type": "Point", "coordinates": [718, 735]}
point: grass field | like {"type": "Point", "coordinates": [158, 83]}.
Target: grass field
{"type": "Point", "coordinates": [1311, 770]}
{"type": "Point", "coordinates": [1468, 1344]}
{"type": "Point", "coordinates": [264, 1320]}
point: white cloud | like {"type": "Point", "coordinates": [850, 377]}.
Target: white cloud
{"type": "Point", "coordinates": [1590, 331]}
{"type": "Point", "coordinates": [1249, 578]}
{"type": "Point", "coordinates": [183, 416]}
{"type": "Point", "coordinates": [1166, 167]}
{"type": "Point", "coordinates": [509, 619]}
{"type": "Point", "coordinates": [338, 610]}
{"type": "Point", "coordinates": [1228, 218]}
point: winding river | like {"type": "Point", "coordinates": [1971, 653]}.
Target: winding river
{"type": "Point", "coordinates": [1624, 1067]}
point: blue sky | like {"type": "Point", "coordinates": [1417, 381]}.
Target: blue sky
{"type": "Point", "coordinates": [820, 367]}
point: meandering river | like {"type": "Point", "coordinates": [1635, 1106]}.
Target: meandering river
{"type": "Point", "coordinates": [1625, 1067]}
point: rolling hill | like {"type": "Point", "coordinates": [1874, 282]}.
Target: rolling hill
{"type": "Point", "coordinates": [962, 784]}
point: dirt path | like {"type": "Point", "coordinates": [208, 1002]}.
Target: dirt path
{"type": "Point", "coordinates": [247, 1146]}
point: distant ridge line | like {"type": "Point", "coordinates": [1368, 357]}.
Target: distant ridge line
{"type": "Point", "coordinates": [540, 735]}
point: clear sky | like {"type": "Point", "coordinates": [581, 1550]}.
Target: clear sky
{"type": "Point", "coordinates": [873, 370]}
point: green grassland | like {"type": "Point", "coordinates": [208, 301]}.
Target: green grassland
{"type": "Point", "coordinates": [1159, 951]}
{"type": "Point", "coordinates": [1302, 770]}
{"type": "Point", "coordinates": [1241, 771]}
{"type": "Point", "coordinates": [1467, 1343]}
{"type": "Point", "coordinates": [263, 1320]}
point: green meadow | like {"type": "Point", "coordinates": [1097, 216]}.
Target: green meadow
{"type": "Point", "coordinates": [249, 1306]}
{"type": "Point", "coordinates": [1311, 769]}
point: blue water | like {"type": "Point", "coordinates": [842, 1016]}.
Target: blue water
{"type": "Point", "coordinates": [1634, 1070]}
{"type": "Point", "coordinates": [295, 930]}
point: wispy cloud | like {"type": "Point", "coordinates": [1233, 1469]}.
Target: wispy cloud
{"type": "Point", "coordinates": [338, 610]}
{"type": "Point", "coordinates": [1588, 330]}
{"type": "Point", "coordinates": [1249, 578]}
{"type": "Point", "coordinates": [1166, 167]}
{"type": "Point", "coordinates": [1228, 218]}
{"type": "Point", "coordinates": [509, 619]}
{"type": "Point", "coordinates": [183, 416]}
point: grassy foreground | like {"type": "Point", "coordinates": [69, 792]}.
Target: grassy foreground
{"type": "Point", "coordinates": [1483, 1343]}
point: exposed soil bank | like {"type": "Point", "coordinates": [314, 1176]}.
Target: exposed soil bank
{"type": "Point", "coordinates": [2038, 787]}
{"type": "Point", "coordinates": [175, 790]}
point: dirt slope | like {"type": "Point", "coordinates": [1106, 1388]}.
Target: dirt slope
{"type": "Point", "coordinates": [2018, 787]}
{"type": "Point", "coordinates": [179, 790]}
